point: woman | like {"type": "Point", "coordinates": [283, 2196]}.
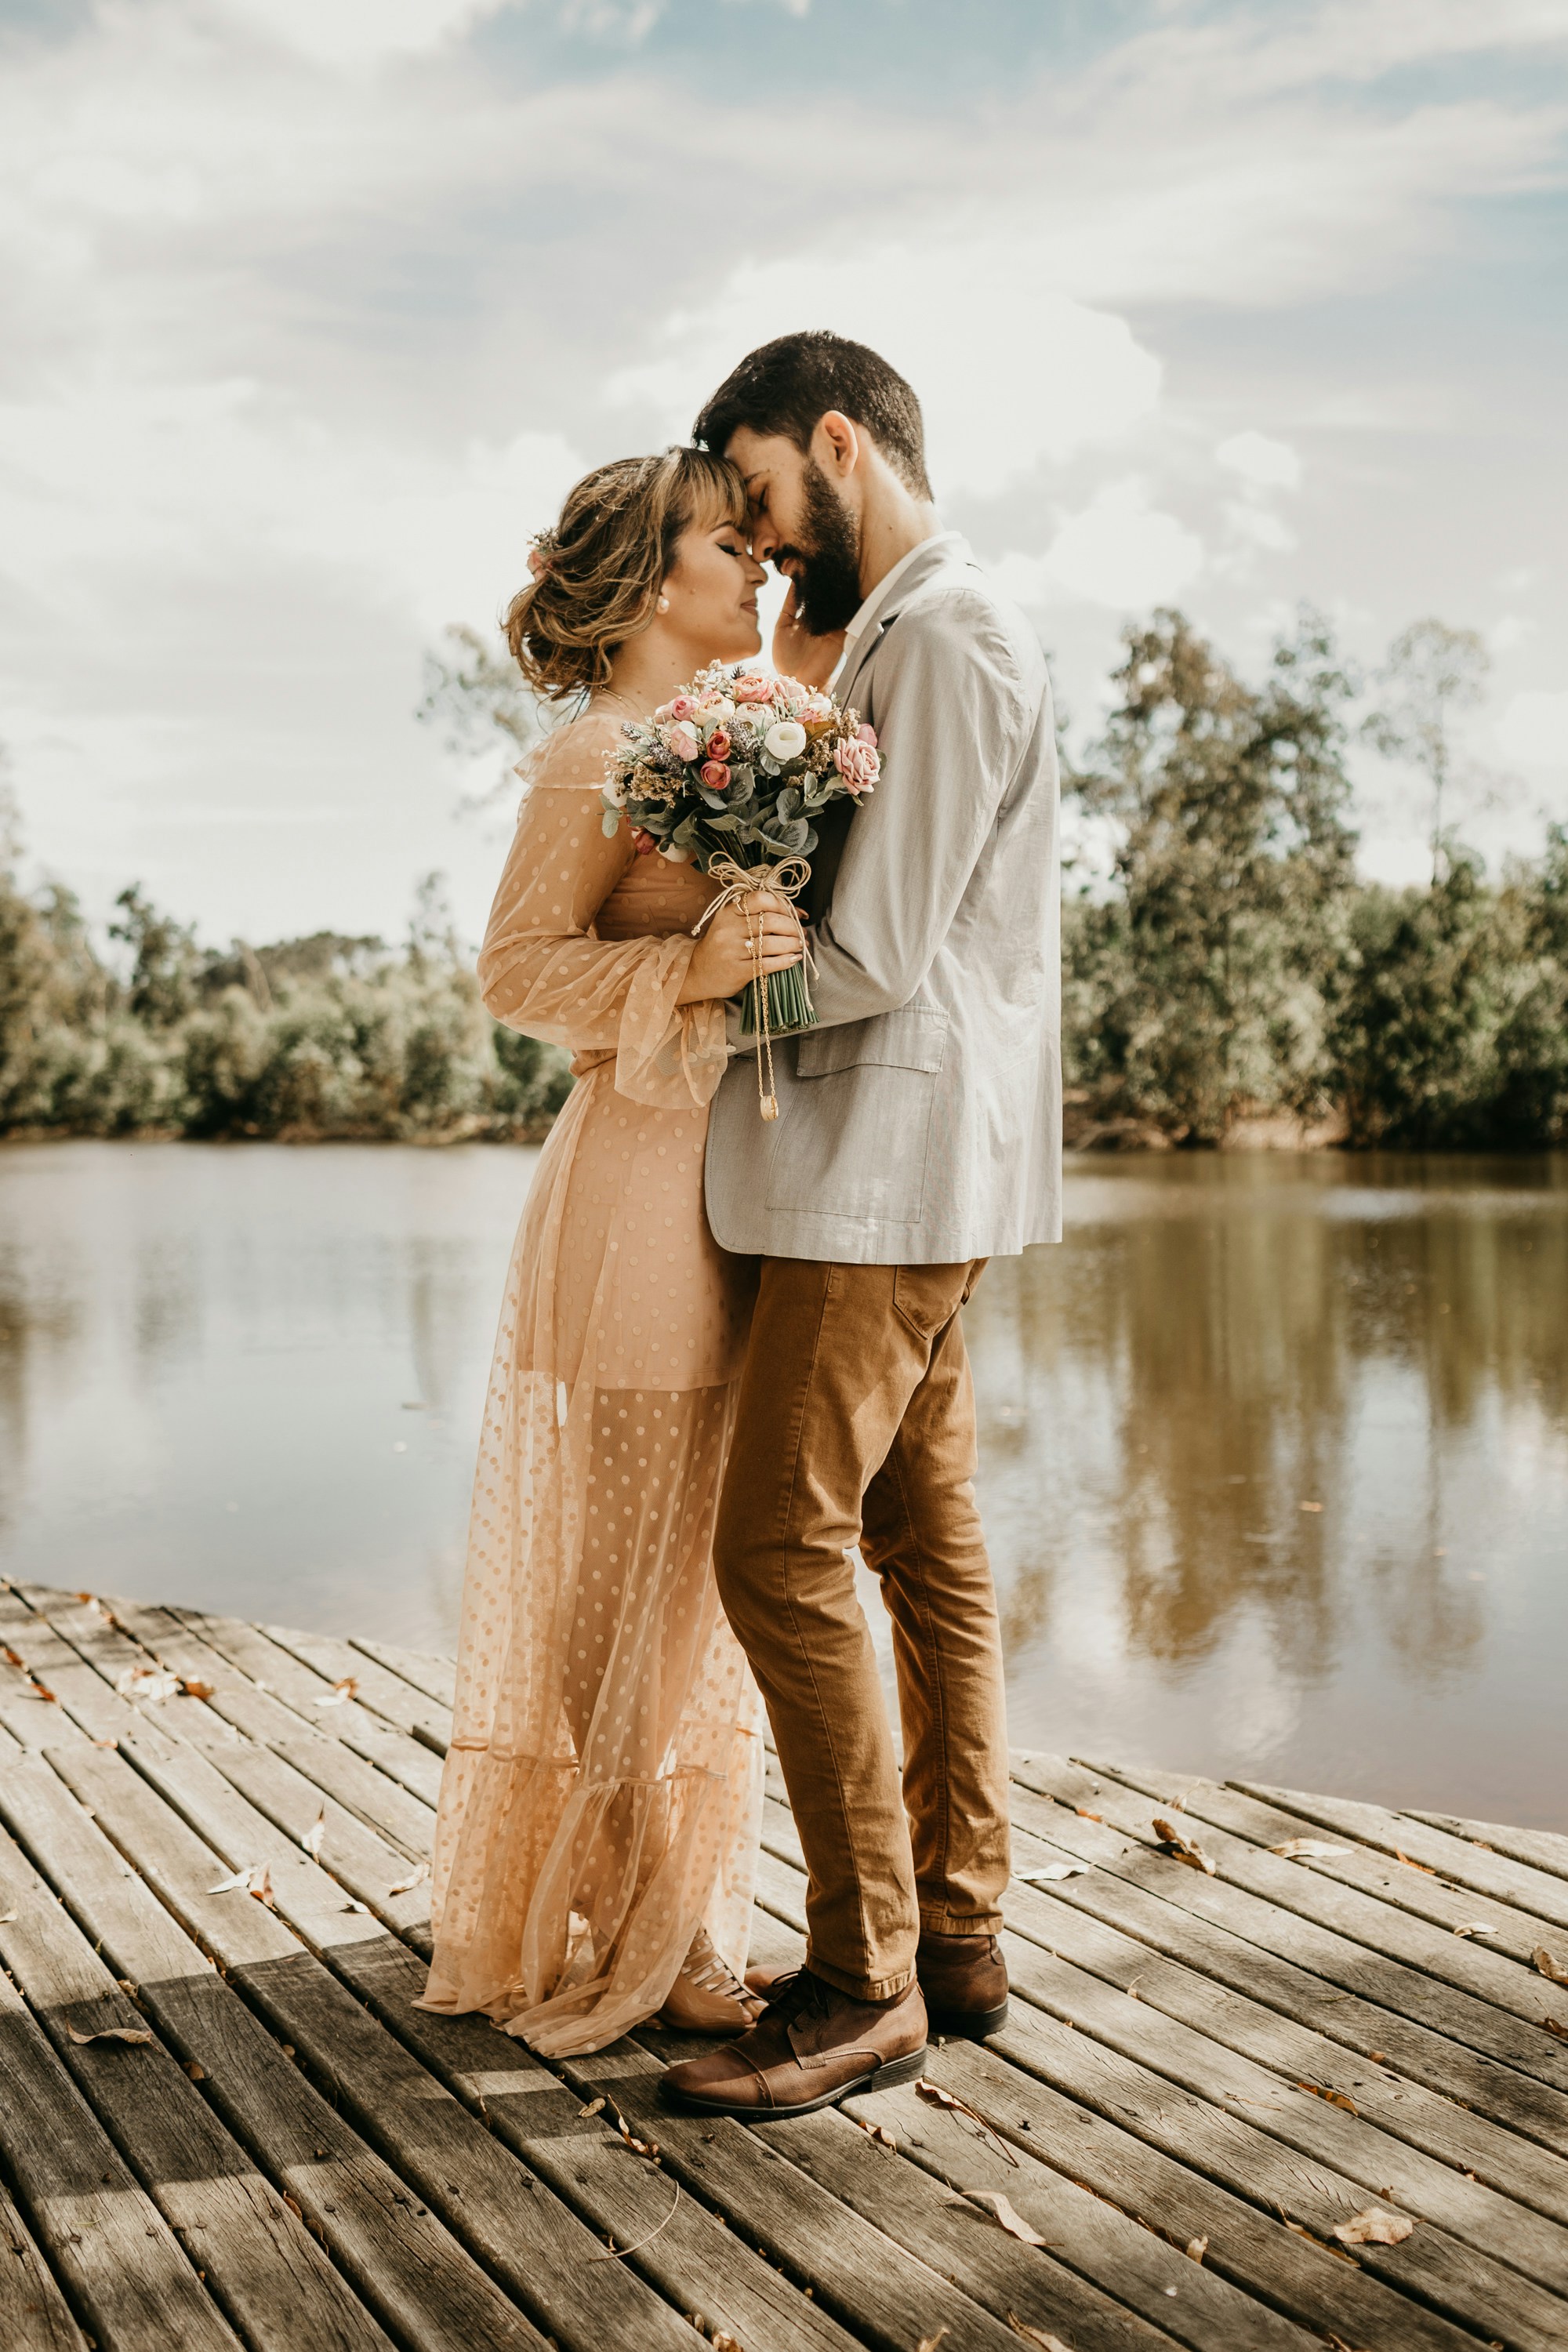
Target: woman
{"type": "Point", "coordinates": [602, 1799]}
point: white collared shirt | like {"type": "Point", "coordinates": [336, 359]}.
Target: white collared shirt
{"type": "Point", "coordinates": [859, 626]}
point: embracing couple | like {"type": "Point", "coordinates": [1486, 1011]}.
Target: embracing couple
{"type": "Point", "coordinates": [732, 1351]}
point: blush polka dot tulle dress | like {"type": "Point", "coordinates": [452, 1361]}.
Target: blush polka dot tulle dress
{"type": "Point", "coordinates": [602, 1797]}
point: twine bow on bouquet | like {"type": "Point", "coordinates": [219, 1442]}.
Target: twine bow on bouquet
{"type": "Point", "coordinates": [728, 776]}
{"type": "Point", "coordinates": [775, 1000]}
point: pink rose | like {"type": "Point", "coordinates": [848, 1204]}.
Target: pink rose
{"type": "Point", "coordinates": [753, 688]}
{"type": "Point", "coordinates": [858, 765]}
{"type": "Point", "coordinates": [682, 739]}
{"type": "Point", "coordinates": [645, 842]}
{"type": "Point", "coordinates": [865, 734]}
{"type": "Point", "coordinates": [682, 706]}
{"type": "Point", "coordinates": [719, 744]}
{"type": "Point", "coordinates": [791, 690]}
{"type": "Point", "coordinates": [715, 775]}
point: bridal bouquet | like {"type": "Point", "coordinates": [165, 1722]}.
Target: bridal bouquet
{"type": "Point", "coordinates": [727, 776]}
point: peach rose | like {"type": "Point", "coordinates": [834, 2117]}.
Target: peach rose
{"type": "Point", "coordinates": [682, 739]}
{"type": "Point", "coordinates": [715, 775]}
{"type": "Point", "coordinates": [865, 734]}
{"type": "Point", "coordinates": [858, 765]}
{"type": "Point", "coordinates": [682, 706]}
{"type": "Point", "coordinates": [753, 688]}
{"type": "Point", "coordinates": [719, 744]}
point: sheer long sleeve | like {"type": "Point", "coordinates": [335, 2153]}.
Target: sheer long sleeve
{"type": "Point", "coordinates": [543, 971]}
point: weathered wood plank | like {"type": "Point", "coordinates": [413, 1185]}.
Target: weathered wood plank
{"type": "Point", "coordinates": [1507, 1933]}
{"type": "Point", "coordinates": [1338, 1988]}
{"type": "Point", "coordinates": [426, 2288]}
{"type": "Point", "coordinates": [1173, 2291]}
{"type": "Point", "coordinates": [385, 1694]}
{"type": "Point", "coordinates": [305, 1694]}
{"type": "Point", "coordinates": [382, 1803]}
{"type": "Point", "coordinates": [260, 2262]}
{"type": "Point", "coordinates": [103, 2236]}
{"type": "Point", "coordinates": [1375, 1948]}
{"type": "Point", "coordinates": [27, 1719]}
{"type": "Point", "coordinates": [1118, 2148]}
{"type": "Point", "coordinates": [1542, 1849]}
{"type": "Point", "coordinates": [435, 1676]}
{"type": "Point", "coordinates": [82, 1692]}
{"type": "Point", "coordinates": [874, 2285]}
{"type": "Point", "coordinates": [1536, 1893]}
{"type": "Point", "coordinates": [693, 2261]}
{"type": "Point", "coordinates": [1427, 2117]}
{"type": "Point", "coordinates": [34, 2314]}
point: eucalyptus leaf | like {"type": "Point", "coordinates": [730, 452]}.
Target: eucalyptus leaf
{"type": "Point", "coordinates": [610, 823]}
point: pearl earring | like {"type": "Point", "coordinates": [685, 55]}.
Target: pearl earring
{"type": "Point", "coordinates": [664, 603]}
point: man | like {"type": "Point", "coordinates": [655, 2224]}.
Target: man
{"type": "Point", "coordinates": [919, 1134]}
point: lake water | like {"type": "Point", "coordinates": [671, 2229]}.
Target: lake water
{"type": "Point", "coordinates": [1274, 1448]}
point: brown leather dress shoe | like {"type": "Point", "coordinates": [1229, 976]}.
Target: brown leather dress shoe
{"type": "Point", "coordinates": [812, 2046]}
{"type": "Point", "coordinates": [964, 1980]}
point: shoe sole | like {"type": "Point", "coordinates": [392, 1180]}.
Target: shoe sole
{"type": "Point", "coordinates": [886, 2077]}
{"type": "Point", "coordinates": [966, 2024]}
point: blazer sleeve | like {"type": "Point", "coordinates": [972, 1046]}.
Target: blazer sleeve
{"type": "Point", "coordinates": [954, 715]}
{"type": "Point", "coordinates": [542, 972]}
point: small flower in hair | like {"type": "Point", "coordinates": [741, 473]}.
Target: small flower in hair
{"type": "Point", "coordinates": [542, 553]}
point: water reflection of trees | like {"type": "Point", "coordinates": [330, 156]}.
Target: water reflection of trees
{"type": "Point", "coordinates": [1188, 1373]}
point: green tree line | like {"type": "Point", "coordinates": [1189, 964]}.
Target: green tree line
{"type": "Point", "coordinates": [1230, 964]}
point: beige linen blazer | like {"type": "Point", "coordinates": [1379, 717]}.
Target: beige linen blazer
{"type": "Point", "coordinates": [920, 1122]}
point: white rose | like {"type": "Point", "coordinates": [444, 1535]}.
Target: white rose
{"type": "Point", "coordinates": [786, 740]}
{"type": "Point", "coordinates": [720, 713]}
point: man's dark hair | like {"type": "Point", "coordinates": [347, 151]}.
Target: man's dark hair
{"type": "Point", "coordinates": [788, 385]}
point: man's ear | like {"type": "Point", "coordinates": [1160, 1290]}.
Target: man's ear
{"type": "Point", "coordinates": [836, 445]}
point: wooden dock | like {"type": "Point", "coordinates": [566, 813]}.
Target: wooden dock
{"type": "Point", "coordinates": [222, 2122]}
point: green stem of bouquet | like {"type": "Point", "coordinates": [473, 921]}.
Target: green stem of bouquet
{"type": "Point", "coordinates": [789, 1003]}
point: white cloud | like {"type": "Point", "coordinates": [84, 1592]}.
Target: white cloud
{"type": "Point", "coordinates": [1120, 552]}
{"type": "Point", "coordinates": [1265, 463]}
{"type": "Point", "coordinates": [1534, 729]}
{"type": "Point", "coordinates": [361, 32]}
{"type": "Point", "coordinates": [1009, 369]}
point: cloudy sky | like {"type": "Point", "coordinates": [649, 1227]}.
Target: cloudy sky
{"type": "Point", "coordinates": [313, 308]}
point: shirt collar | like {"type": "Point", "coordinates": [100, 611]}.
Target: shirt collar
{"type": "Point", "coordinates": [878, 599]}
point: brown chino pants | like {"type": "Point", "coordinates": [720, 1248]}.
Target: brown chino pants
{"type": "Point", "coordinates": [855, 1424]}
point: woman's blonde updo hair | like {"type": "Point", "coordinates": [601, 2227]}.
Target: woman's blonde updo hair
{"type": "Point", "coordinates": [596, 576]}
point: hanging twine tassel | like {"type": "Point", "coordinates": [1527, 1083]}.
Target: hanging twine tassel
{"type": "Point", "coordinates": [745, 886]}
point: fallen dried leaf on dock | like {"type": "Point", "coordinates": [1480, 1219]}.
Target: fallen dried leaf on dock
{"type": "Point", "coordinates": [1196, 2249]}
{"type": "Point", "coordinates": [1552, 1969]}
{"type": "Point", "coordinates": [1051, 1871]}
{"type": "Point", "coordinates": [253, 1878]}
{"type": "Point", "coordinates": [1373, 2227]}
{"type": "Point", "coordinates": [416, 1877]}
{"type": "Point", "coordinates": [311, 1840]}
{"type": "Point", "coordinates": [930, 2343]}
{"type": "Point", "coordinates": [879, 2132]}
{"type": "Point", "coordinates": [594, 2108]}
{"type": "Point", "coordinates": [1334, 2098]}
{"type": "Point", "coordinates": [1423, 1867]}
{"type": "Point", "coordinates": [1036, 2335]}
{"type": "Point", "coordinates": [111, 2033]}
{"type": "Point", "coordinates": [1304, 1849]}
{"type": "Point", "coordinates": [1012, 2223]}
{"type": "Point", "coordinates": [1475, 1928]}
{"type": "Point", "coordinates": [926, 2089]}
{"type": "Point", "coordinates": [5, 1915]}
{"type": "Point", "coordinates": [347, 1689]}
{"type": "Point", "coordinates": [1182, 1849]}
{"type": "Point", "coordinates": [147, 1685]}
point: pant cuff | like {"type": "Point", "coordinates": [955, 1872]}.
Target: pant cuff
{"type": "Point", "coordinates": [859, 1987]}
{"type": "Point", "coordinates": [938, 1922]}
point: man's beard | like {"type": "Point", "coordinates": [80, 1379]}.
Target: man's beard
{"type": "Point", "coordinates": [828, 569]}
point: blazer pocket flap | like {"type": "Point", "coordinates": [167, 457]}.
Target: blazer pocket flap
{"type": "Point", "coordinates": [912, 1038]}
